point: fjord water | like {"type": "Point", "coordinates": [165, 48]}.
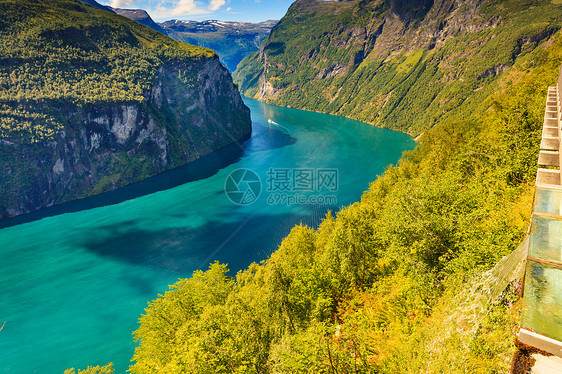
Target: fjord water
{"type": "Point", "coordinates": [72, 286]}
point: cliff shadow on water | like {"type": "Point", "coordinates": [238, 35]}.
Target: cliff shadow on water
{"type": "Point", "coordinates": [263, 138]}
{"type": "Point", "coordinates": [183, 250]}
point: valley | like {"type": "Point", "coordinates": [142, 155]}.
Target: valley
{"type": "Point", "coordinates": [273, 215]}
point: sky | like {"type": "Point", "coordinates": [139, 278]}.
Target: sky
{"type": "Point", "coordinates": [198, 10]}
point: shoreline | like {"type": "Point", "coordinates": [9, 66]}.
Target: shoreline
{"type": "Point", "coordinates": [414, 137]}
{"type": "Point", "coordinates": [200, 168]}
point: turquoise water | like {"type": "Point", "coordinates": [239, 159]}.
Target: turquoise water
{"type": "Point", "coordinates": [73, 285]}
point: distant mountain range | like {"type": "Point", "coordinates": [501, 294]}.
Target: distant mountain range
{"type": "Point", "coordinates": [231, 40]}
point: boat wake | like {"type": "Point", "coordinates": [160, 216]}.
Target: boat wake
{"type": "Point", "coordinates": [285, 130]}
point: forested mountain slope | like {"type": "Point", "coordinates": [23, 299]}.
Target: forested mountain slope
{"type": "Point", "coordinates": [231, 40]}
{"type": "Point", "coordinates": [392, 283]}
{"type": "Point", "coordinates": [404, 65]}
{"type": "Point", "coordinates": [397, 282]}
{"type": "Point", "coordinates": [91, 101]}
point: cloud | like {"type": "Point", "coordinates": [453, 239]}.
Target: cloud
{"type": "Point", "coordinates": [177, 8]}
{"type": "Point", "coordinates": [164, 9]}
{"type": "Point", "coordinates": [121, 3]}
{"type": "Point", "coordinates": [184, 7]}
{"type": "Point", "coordinates": [216, 4]}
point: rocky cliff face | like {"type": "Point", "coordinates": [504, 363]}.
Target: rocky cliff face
{"type": "Point", "coordinates": [107, 146]}
{"type": "Point", "coordinates": [91, 101]}
{"type": "Point", "coordinates": [394, 63]}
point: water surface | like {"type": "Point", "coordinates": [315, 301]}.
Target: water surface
{"type": "Point", "coordinates": [73, 285]}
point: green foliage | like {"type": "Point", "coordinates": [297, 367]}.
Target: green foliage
{"type": "Point", "coordinates": [191, 308]}
{"type": "Point", "coordinates": [64, 51]}
{"type": "Point", "coordinates": [107, 369]}
{"type": "Point", "coordinates": [384, 285]}
{"type": "Point", "coordinates": [21, 123]}
{"type": "Point", "coordinates": [326, 56]}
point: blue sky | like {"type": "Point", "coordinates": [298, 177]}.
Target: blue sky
{"type": "Point", "coordinates": [224, 10]}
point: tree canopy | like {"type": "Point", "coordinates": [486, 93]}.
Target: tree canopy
{"type": "Point", "coordinates": [373, 288]}
{"type": "Point", "coordinates": [56, 52]}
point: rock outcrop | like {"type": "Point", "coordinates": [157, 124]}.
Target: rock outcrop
{"type": "Point", "coordinates": [401, 64]}
{"type": "Point", "coordinates": [111, 145]}
{"type": "Point", "coordinates": [58, 146]}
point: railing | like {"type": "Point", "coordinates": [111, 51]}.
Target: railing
{"type": "Point", "coordinates": [541, 321]}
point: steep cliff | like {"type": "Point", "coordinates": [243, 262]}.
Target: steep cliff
{"type": "Point", "coordinates": [410, 279]}
{"type": "Point", "coordinates": [91, 102]}
{"type": "Point", "coordinates": [394, 63]}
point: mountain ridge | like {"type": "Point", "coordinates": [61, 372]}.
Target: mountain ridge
{"type": "Point", "coordinates": [138, 15]}
{"type": "Point", "coordinates": [427, 59]}
{"type": "Point", "coordinates": [141, 16]}
{"type": "Point", "coordinates": [232, 40]}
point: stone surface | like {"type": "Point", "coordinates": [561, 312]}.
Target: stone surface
{"type": "Point", "coordinates": [107, 146]}
{"type": "Point", "coordinates": [546, 364]}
